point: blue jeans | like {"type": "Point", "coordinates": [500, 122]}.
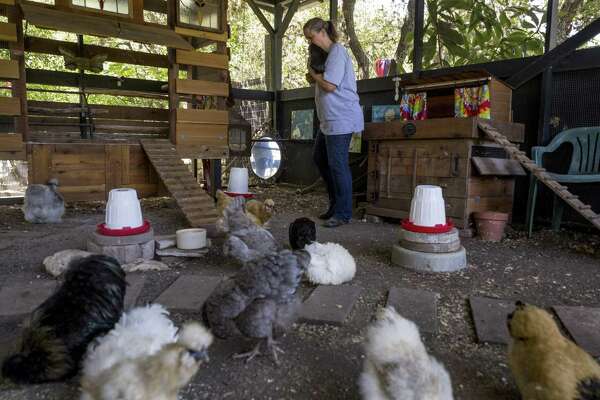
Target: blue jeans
{"type": "Point", "coordinates": [331, 157]}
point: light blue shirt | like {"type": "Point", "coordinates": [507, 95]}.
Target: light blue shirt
{"type": "Point", "coordinates": [339, 111]}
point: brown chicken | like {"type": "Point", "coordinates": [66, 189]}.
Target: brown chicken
{"type": "Point", "coordinates": [260, 212]}
{"type": "Point", "coordinates": [545, 364]}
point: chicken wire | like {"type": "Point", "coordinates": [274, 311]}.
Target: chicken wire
{"type": "Point", "coordinates": [13, 178]}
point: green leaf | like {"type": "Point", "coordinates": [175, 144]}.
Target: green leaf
{"type": "Point", "coordinates": [504, 20]}
{"type": "Point", "coordinates": [527, 25]}
{"type": "Point", "coordinates": [448, 34]}
{"type": "Point", "coordinates": [456, 49]}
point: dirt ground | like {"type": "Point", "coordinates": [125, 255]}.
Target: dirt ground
{"type": "Point", "coordinates": [324, 362]}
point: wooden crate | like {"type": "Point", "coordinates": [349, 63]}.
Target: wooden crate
{"type": "Point", "coordinates": [438, 153]}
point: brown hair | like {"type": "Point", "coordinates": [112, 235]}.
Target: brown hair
{"type": "Point", "coordinates": [316, 24]}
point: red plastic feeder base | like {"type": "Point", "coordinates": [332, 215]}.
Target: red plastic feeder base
{"type": "Point", "coordinates": [409, 226]}
{"type": "Point", "coordinates": [244, 195]}
{"type": "Point", "coordinates": [126, 231]}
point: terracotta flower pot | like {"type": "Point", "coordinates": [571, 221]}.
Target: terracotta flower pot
{"type": "Point", "coordinates": [490, 225]}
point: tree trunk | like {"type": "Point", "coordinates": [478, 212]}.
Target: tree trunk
{"type": "Point", "coordinates": [566, 15]}
{"type": "Point", "coordinates": [357, 50]}
{"type": "Point", "coordinates": [408, 25]}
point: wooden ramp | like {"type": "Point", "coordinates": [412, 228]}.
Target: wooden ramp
{"type": "Point", "coordinates": [540, 173]}
{"type": "Point", "coordinates": [197, 205]}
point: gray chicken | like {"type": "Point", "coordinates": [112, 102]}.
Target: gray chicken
{"type": "Point", "coordinates": [245, 241]}
{"type": "Point", "coordinates": [259, 302]}
{"type": "Point", "coordinates": [43, 204]}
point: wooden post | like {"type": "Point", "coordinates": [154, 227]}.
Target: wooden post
{"type": "Point", "coordinates": [19, 86]}
{"type": "Point", "coordinates": [551, 22]}
{"type": "Point", "coordinates": [418, 37]}
{"type": "Point", "coordinates": [547, 76]}
{"type": "Point", "coordinates": [173, 73]}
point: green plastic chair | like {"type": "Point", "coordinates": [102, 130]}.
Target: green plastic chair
{"type": "Point", "coordinates": [584, 168]}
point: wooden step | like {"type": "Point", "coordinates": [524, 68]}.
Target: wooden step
{"type": "Point", "coordinates": [197, 205]}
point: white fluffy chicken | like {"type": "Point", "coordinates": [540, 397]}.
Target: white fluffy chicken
{"type": "Point", "coordinates": [43, 203]}
{"type": "Point", "coordinates": [397, 366]}
{"type": "Point", "coordinates": [143, 358]}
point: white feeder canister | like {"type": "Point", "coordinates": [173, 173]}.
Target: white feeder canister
{"type": "Point", "coordinates": [191, 239]}
{"type": "Point", "coordinates": [427, 206]}
{"type": "Point", "coordinates": [238, 180]}
{"type": "Point", "coordinates": [123, 209]}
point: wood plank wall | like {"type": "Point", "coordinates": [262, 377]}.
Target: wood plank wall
{"type": "Point", "coordinates": [89, 171]}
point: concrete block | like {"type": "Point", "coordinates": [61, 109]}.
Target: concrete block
{"type": "Point", "coordinates": [419, 306]}
{"type": "Point", "coordinates": [165, 241]}
{"type": "Point", "coordinates": [103, 240]}
{"type": "Point", "coordinates": [583, 324]}
{"type": "Point", "coordinates": [22, 296]}
{"type": "Point", "coordinates": [124, 253]}
{"type": "Point", "coordinates": [135, 285]}
{"type": "Point", "coordinates": [188, 292]}
{"type": "Point", "coordinates": [490, 316]}
{"type": "Point", "coordinates": [429, 262]}
{"type": "Point", "coordinates": [329, 304]}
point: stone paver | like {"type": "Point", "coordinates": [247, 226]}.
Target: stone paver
{"type": "Point", "coordinates": [489, 316]}
{"type": "Point", "coordinates": [188, 292]}
{"type": "Point", "coordinates": [21, 296]}
{"type": "Point", "coordinates": [419, 306]}
{"type": "Point", "coordinates": [329, 304]}
{"type": "Point", "coordinates": [583, 324]}
{"type": "Point", "coordinates": [135, 284]}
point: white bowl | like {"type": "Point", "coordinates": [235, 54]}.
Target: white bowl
{"type": "Point", "coordinates": [123, 209]}
{"type": "Point", "coordinates": [191, 239]}
{"type": "Point", "coordinates": [427, 206]}
{"type": "Point", "coordinates": [238, 180]}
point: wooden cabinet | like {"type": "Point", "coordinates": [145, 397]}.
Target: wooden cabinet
{"type": "Point", "coordinates": [403, 154]}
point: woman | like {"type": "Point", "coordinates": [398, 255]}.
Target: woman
{"type": "Point", "coordinates": [340, 116]}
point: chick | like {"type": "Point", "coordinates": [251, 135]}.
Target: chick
{"type": "Point", "coordinates": [43, 203]}
{"type": "Point", "coordinates": [223, 201]}
{"type": "Point", "coordinates": [545, 364]}
{"type": "Point", "coordinates": [330, 264]}
{"type": "Point", "coordinates": [260, 212]}
{"type": "Point", "coordinates": [155, 377]}
{"type": "Point", "coordinates": [397, 366]}
{"type": "Point", "coordinates": [302, 232]}
{"type": "Point", "coordinates": [88, 304]}
{"type": "Point", "coordinates": [259, 302]}
{"type": "Point", "coordinates": [245, 241]}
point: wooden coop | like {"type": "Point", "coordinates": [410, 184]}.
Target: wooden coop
{"type": "Point", "coordinates": [93, 148]}
{"type": "Point", "coordinates": [438, 142]}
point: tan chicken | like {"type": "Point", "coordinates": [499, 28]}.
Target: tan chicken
{"type": "Point", "coordinates": [260, 212]}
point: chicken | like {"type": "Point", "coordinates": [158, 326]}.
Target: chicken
{"type": "Point", "coordinates": [88, 304]}
{"type": "Point", "coordinates": [397, 366]}
{"type": "Point", "coordinates": [259, 302]}
{"type": "Point", "coordinates": [302, 232]}
{"type": "Point", "coordinates": [158, 376]}
{"type": "Point", "coordinates": [330, 264]}
{"type": "Point", "coordinates": [316, 58]}
{"type": "Point", "coordinates": [223, 201]}
{"type": "Point", "coordinates": [245, 241]}
{"type": "Point", "coordinates": [43, 204]}
{"type": "Point", "coordinates": [260, 212]}
{"type": "Point", "coordinates": [545, 364]}
{"type": "Point", "coordinates": [140, 332]}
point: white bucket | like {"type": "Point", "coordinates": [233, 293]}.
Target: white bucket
{"type": "Point", "coordinates": [190, 239]}
{"type": "Point", "coordinates": [238, 180]}
{"type": "Point", "coordinates": [427, 206]}
{"type": "Point", "coordinates": [123, 209]}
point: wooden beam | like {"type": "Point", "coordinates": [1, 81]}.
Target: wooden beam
{"type": "Point", "coordinates": [48, 46]}
{"type": "Point", "coordinates": [173, 73]}
{"type": "Point", "coordinates": [212, 36]}
{"type": "Point", "coordinates": [137, 11]}
{"type": "Point", "coordinates": [261, 17]}
{"type": "Point", "coordinates": [8, 32]}
{"type": "Point", "coordinates": [555, 55]}
{"type": "Point", "coordinates": [10, 142]}
{"type": "Point", "coordinates": [551, 22]}
{"type": "Point", "coordinates": [9, 69]}
{"type": "Point", "coordinates": [201, 134]}
{"type": "Point", "coordinates": [215, 117]}
{"type": "Point", "coordinates": [8, 2]}
{"type": "Point", "coordinates": [211, 60]}
{"type": "Point", "coordinates": [19, 86]}
{"type": "Point", "coordinates": [288, 17]}
{"type": "Point", "coordinates": [203, 88]}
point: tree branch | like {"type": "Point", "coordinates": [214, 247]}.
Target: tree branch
{"type": "Point", "coordinates": [357, 50]}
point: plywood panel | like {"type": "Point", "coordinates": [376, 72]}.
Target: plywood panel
{"type": "Point", "coordinates": [40, 165]}
{"type": "Point", "coordinates": [10, 106]}
{"type": "Point", "coordinates": [218, 117]}
{"type": "Point", "coordinates": [117, 166]}
{"type": "Point", "coordinates": [83, 193]}
{"type": "Point", "coordinates": [204, 88]}
{"type": "Point", "coordinates": [8, 2]}
{"type": "Point", "coordinates": [9, 69]}
{"type": "Point", "coordinates": [11, 142]}
{"type": "Point", "coordinates": [8, 32]}
{"type": "Point", "coordinates": [211, 60]}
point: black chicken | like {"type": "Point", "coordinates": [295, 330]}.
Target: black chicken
{"type": "Point", "coordinates": [88, 304]}
{"type": "Point", "coordinates": [317, 58]}
{"type": "Point", "coordinates": [302, 232]}
{"type": "Point", "coordinates": [259, 302]}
